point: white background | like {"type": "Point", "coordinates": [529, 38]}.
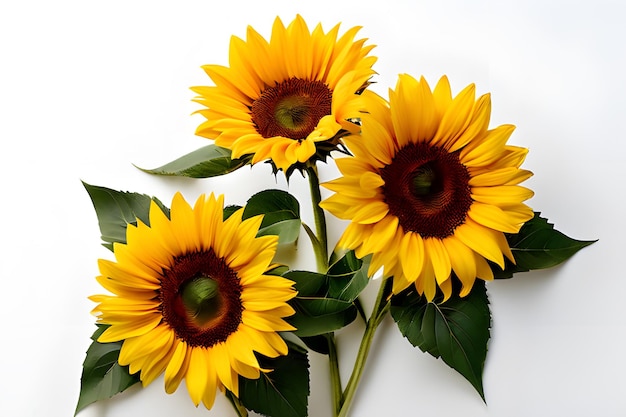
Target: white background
{"type": "Point", "coordinates": [89, 88]}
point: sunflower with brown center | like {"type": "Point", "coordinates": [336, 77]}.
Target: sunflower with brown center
{"type": "Point", "coordinates": [431, 190]}
{"type": "Point", "coordinates": [288, 100]}
{"type": "Point", "coordinates": [191, 298]}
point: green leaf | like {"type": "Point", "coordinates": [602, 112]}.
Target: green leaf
{"type": "Point", "coordinates": [230, 210]}
{"type": "Point", "coordinates": [281, 213]}
{"type": "Point", "coordinates": [537, 246]}
{"type": "Point", "coordinates": [117, 209]}
{"type": "Point", "coordinates": [308, 283]}
{"type": "Point", "coordinates": [347, 277]}
{"type": "Point", "coordinates": [317, 315]}
{"type": "Point", "coordinates": [316, 311]}
{"type": "Point", "coordinates": [284, 391]}
{"type": "Point", "coordinates": [102, 376]}
{"type": "Point", "coordinates": [208, 161]}
{"type": "Point", "coordinates": [317, 344]}
{"type": "Point", "coordinates": [457, 330]}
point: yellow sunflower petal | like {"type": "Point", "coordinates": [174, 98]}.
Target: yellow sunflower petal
{"type": "Point", "coordinates": [426, 283]}
{"type": "Point", "coordinates": [412, 255]}
{"type": "Point", "coordinates": [456, 118]}
{"type": "Point", "coordinates": [463, 263]}
{"type": "Point", "coordinates": [481, 239]}
{"type": "Point", "coordinates": [493, 217]}
{"type": "Point", "coordinates": [489, 149]}
{"type": "Point", "coordinates": [478, 124]}
{"type": "Point", "coordinates": [439, 257]}
{"type": "Point", "coordinates": [176, 368]}
{"type": "Point", "coordinates": [501, 195]}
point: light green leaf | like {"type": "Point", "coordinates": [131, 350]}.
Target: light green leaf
{"type": "Point", "coordinates": [281, 214]}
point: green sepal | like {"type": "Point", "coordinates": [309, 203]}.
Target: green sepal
{"type": "Point", "coordinates": [317, 312]}
{"type": "Point", "coordinates": [538, 246]}
{"type": "Point", "coordinates": [208, 161]}
{"type": "Point", "coordinates": [281, 214]}
{"type": "Point", "coordinates": [456, 331]}
{"type": "Point", "coordinates": [103, 376]}
{"type": "Point", "coordinates": [282, 392]}
{"type": "Point", "coordinates": [117, 209]}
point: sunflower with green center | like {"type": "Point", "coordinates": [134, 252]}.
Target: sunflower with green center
{"type": "Point", "coordinates": [288, 100]}
{"type": "Point", "coordinates": [431, 190]}
{"type": "Point", "coordinates": [192, 300]}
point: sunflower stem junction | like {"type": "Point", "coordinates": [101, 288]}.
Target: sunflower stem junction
{"type": "Point", "coordinates": [380, 309]}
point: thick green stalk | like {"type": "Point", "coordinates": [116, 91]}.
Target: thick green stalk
{"type": "Point", "coordinates": [381, 307]}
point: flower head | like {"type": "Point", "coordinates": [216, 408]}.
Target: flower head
{"type": "Point", "coordinates": [431, 190]}
{"type": "Point", "coordinates": [287, 100]}
{"type": "Point", "coordinates": [191, 299]}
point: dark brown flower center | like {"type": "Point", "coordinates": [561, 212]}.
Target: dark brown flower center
{"type": "Point", "coordinates": [427, 188]}
{"type": "Point", "coordinates": [200, 299]}
{"type": "Point", "coordinates": [291, 108]}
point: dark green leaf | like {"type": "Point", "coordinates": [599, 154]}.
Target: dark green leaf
{"type": "Point", "coordinates": [316, 311]}
{"type": "Point", "coordinates": [208, 161]}
{"type": "Point", "coordinates": [317, 315]}
{"type": "Point", "coordinates": [229, 210]}
{"type": "Point", "coordinates": [317, 344]}
{"type": "Point", "coordinates": [457, 330]}
{"type": "Point", "coordinates": [284, 391]}
{"type": "Point", "coordinates": [537, 246]}
{"type": "Point", "coordinates": [278, 270]}
{"type": "Point", "coordinates": [347, 277]}
{"type": "Point", "coordinates": [281, 213]}
{"type": "Point", "coordinates": [117, 209]}
{"type": "Point", "coordinates": [102, 376]}
{"type": "Point", "coordinates": [308, 283]}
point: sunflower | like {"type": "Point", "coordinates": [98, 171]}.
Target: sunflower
{"type": "Point", "coordinates": [431, 190]}
{"type": "Point", "coordinates": [191, 299]}
{"type": "Point", "coordinates": [289, 99]}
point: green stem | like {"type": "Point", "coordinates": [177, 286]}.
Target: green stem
{"type": "Point", "coordinates": [320, 246]}
{"type": "Point", "coordinates": [381, 307]}
{"type": "Point", "coordinates": [237, 405]}
{"type": "Point", "coordinates": [335, 378]}
{"type": "Point", "coordinates": [320, 219]}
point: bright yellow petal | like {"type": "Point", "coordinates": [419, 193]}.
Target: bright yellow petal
{"type": "Point", "coordinates": [177, 367]}
{"type": "Point", "coordinates": [439, 258]}
{"type": "Point", "coordinates": [492, 217]}
{"type": "Point", "coordinates": [463, 263]}
{"type": "Point", "coordinates": [481, 239]}
{"type": "Point", "coordinates": [412, 255]}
